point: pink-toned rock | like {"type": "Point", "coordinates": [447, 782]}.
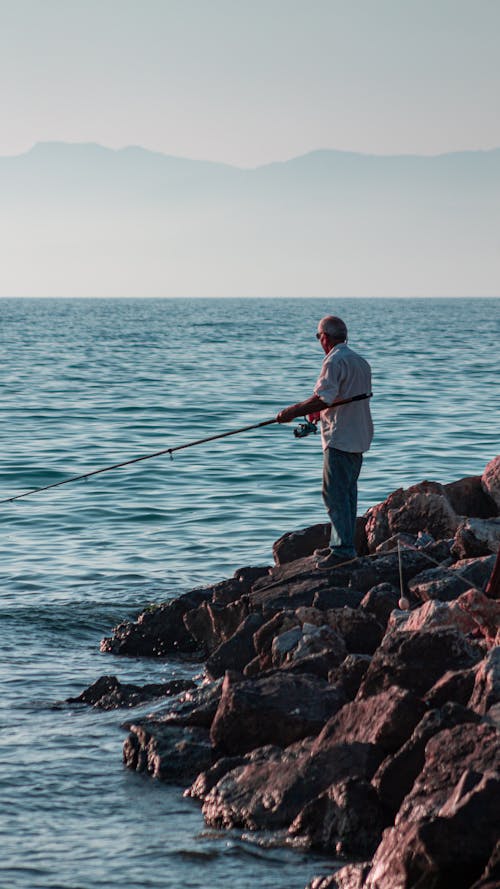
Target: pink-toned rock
{"type": "Point", "coordinates": [423, 507]}
{"type": "Point", "coordinates": [446, 583]}
{"type": "Point", "coordinates": [490, 480]}
{"type": "Point", "coordinates": [486, 692]}
{"type": "Point", "coordinates": [468, 498]}
{"type": "Point", "coordinates": [352, 876]}
{"type": "Point", "coordinates": [472, 612]}
{"type": "Point", "coordinates": [476, 537]}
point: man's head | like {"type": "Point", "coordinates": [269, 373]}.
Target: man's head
{"type": "Point", "coordinates": [331, 331]}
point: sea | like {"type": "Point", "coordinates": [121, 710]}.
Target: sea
{"type": "Point", "coordinates": [88, 383]}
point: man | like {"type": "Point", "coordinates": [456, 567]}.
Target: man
{"type": "Point", "coordinates": [346, 432]}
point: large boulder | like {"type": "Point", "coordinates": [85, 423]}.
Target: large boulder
{"type": "Point", "coordinates": [468, 498]}
{"type": "Point", "coordinates": [476, 537]}
{"type": "Point", "coordinates": [490, 481]}
{"type": "Point", "coordinates": [172, 753]}
{"type": "Point", "coordinates": [278, 708]}
{"type": "Point", "coordinates": [448, 582]}
{"type": "Point", "coordinates": [423, 507]}
{"type": "Point", "coordinates": [416, 660]}
{"type": "Point", "coordinates": [108, 692]}
{"type": "Point", "coordinates": [237, 651]}
{"type": "Point", "coordinates": [486, 692]}
{"type": "Point", "coordinates": [213, 623]}
{"type": "Point", "coordinates": [298, 544]}
{"type": "Point", "coordinates": [472, 612]}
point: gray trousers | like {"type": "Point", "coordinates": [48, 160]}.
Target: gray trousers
{"type": "Point", "coordinates": [340, 494]}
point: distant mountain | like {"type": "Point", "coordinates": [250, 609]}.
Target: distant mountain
{"type": "Point", "coordinates": [86, 220]}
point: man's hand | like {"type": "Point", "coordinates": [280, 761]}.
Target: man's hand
{"type": "Point", "coordinates": [314, 418]}
{"type": "Point", "coordinates": [286, 415]}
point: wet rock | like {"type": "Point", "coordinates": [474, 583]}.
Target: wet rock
{"type": "Point", "coordinates": [109, 693]}
{"type": "Point", "coordinates": [385, 721]}
{"type": "Point", "coordinates": [380, 601]}
{"type": "Point", "coordinates": [476, 537]}
{"type": "Point", "coordinates": [486, 690]}
{"type": "Point", "coordinates": [455, 686]}
{"type": "Point", "coordinates": [346, 819]}
{"type": "Point", "coordinates": [396, 775]}
{"type": "Point", "coordinates": [423, 507]}
{"type": "Point", "coordinates": [196, 707]}
{"type": "Point", "coordinates": [347, 677]}
{"type": "Point", "coordinates": [490, 481]}
{"type": "Point", "coordinates": [278, 708]}
{"type": "Point", "coordinates": [239, 649]}
{"type": "Point", "coordinates": [352, 876]}
{"type": "Point", "coordinates": [205, 781]}
{"type": "Point", "coordinates": [169, 752]}
{"type": "Point", "coordinates": [468, 498]}
{"type": "Point", "coordinates": [448, 850]}
{"type": "Point", "coordinates": [448, 754]}
{"type": "Point", "coordinates": [158, 631]}
{"type": "Point", "coordinates": [213, 623]}
{"type": "Point", "coordinates": [416, 660]}
{"type": "Point", "coordinates": [270, 790]}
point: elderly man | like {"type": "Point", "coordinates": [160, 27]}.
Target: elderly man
{"type": "Point", "coordinates": [346, 432]}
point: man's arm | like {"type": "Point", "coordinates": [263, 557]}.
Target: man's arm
{"type": "Point", "coordinates": [311, 406]}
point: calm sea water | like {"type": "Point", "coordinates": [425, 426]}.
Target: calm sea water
{"type": "Point", "coordinates": [87, 383]}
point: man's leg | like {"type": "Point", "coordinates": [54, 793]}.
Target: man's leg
{"type": "Point", "coordinates": [340, 493]}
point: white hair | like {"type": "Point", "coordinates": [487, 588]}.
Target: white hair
{"type": "Point", "coordinates": [334, 327]}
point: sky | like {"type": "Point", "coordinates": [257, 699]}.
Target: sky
{"type": "Point", "coordinates": [251, 81]}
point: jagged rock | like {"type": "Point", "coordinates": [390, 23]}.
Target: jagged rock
{"type": "Point", "coordinates": [346, 819]}
{"type": "Point", "coordinates": [239, 649]}
{"type": "Point", "coordinates": [380, 601]}
{"type": "Point", "coordinates": [319, 663]}
{"type": "Point", "coordinates": [352, 876]}
{"type": "Point", "coordinates": [454, 685]}
{"type": "Point", "coordinates": [416, 660]}
{"type": "Point", "coordinates": [336, 597]}
{"type": "Point", "coordinates": [490, 481]}
{"type": "Point", "coordinates": [278, 708]}
{"type": "Point", "coordinates": [486, 690]}
{"type": "Point", "coordinates": [347, 677]}
{"type": "Point", "coordinates": [448, 754]}
{"type": "Point", "coordinates": [448, 850]}
{"type": "Point", "coordinates": [423, 507]}
{"type": "Point", "coordinates": [263, 637]}
{"type": "Point", "coordinates": [312, 640]}
{"type": "Point", "coordinates": [476, 537]}
{"type": "Point", "coordinates": [270, 790]}
{"type": "Point", "coordinates": [297, 544]}
{"type": "Point", "coordinates": [286, 596]}
{"type": "Point", "coordinates": [385, 721]}
{"type": "Point", "coordinates": [196, 707]}
{"type": "Point", "coordinates": [213, 623]}
{"type": "Point", "coordinates": [170, 752]}
{"type": "Point", "coordinates": [284, 643]}
{"type": "Point", "coordinates": [468, 498]}
{"type": "Point", "coordinates": [158, 631]}
{"type": "Point", "coordinates": [472, 612]}
{"type": "Point", "coordinates": [396, 775]}
{"type": "Point", "coordinates": [241, 583]}
{"type": "Point", "coordinates": [108, 692]}
{"type": "Point", "coordinates": [391, 544]}
{"type": "Point", "coordinates": [201, 787]}
{"type": "Point", "coordinates": [359, 629]}
{"type": "Point", "coordinates": [449, 582]}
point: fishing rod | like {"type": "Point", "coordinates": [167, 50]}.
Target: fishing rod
{"type": "Point", "coordinates": [300, 432]}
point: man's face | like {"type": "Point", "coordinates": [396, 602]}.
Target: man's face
{"type": "Point", "coordinates": [324, 340]}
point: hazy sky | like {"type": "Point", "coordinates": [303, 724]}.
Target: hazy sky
{"type": "Point", "coordinates": [249, 81]}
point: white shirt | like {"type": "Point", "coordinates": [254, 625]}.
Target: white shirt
{"type": "Point", "coordinates": [344, 374]}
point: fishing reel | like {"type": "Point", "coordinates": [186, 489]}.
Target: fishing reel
{"type": "Point", "coordinates": [304, 429]}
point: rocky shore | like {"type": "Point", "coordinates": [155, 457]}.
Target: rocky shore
{"type": "Point", "coordinates": [353, 710]}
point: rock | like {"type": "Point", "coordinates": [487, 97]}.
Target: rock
{"type": "Point", "coordinates": [315, 640]}
{"type": "Point", "coordinates": [396, 775]}
{"type": "Point", "coordinates": [169, 752]}
{"type": "Point", "coordinates": [448, 754]}
{"type": "Point", "coordinates": [448, 850]}
{"type": "Point", "coordinates": [490, 481]}
{"type": "Point", "coordinates": [204, 782]}
{"type": "Point", "coordinates": [108, 692]}
{"type": "Point", "coordinates": [270, 790]}
{"type": "Point", "coordinates": [347, 677]}
{"type": "Point", "coordinates": [195, 707]}
{"type": "Point", "coordinates": [449, 582]}
{"type": "Point", "coordinates": [423, 507]}
{"type": "Point", "coordinates": [476, 537]}
{"type": "Point", "coordinates": [486, 690]}
{"type": "Point", "coordinates": [278, 708]}
{"type": "Point", "coordinates": [336, 597]}
{"type": "Point", "coordinates": [346, 819]}
{"type": "Point", "coordinates": [158, 631]}
{"type": "Point", "coordinates": [468, 498]}
{"type": "Point", "coordinates": [472, 613]}
{"type": "Point", "coordinates": [391, 544]}
{"type": "Point", "coordinates": [284, 644]}
{"type": "Point", "coordinates": [454, 685]}
{"type": "Point", "coordinates": [359, 629]}
{"type": "Point", "coordinates": [352, 876]}
{"type": "Point", "coordinates": [316, 664]}
{"type": "Point", "coordinates": [297, 544]}
{"type": "Point", "coordinates": [416, 660]}
{"type": "Point", "coordinates": [263, 637]}
{"type": "Point", "coordinates": [380, 601]}
{"type": "Point", "coordinates": [239, 649]}
{"type": "Point", "coordinates": [286, 596]}
{"type": "Point", "coordinates": [385, 721]}
{"type": "Point", "coordinates": [213, 623]}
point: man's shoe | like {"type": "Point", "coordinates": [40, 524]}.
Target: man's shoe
{"type": "Point", "coordinates": [332, 560]}
{"type": "Point", "coordinates": [321, 553]}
